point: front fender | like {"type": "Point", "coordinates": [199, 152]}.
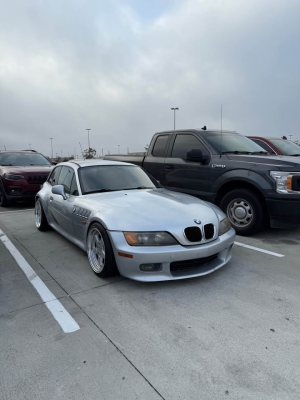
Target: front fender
{"type": "Point", "coordinates": [260, 182]}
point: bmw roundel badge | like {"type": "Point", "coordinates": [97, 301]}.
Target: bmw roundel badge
{"type": "Point", "coordinates": [197, 221]}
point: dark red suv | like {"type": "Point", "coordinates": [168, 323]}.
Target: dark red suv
{"type": "Point", "coordinates": [21, 175]}
{"type": "Point", "coordinates": [277, 146]}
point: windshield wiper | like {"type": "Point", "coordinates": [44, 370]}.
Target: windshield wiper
{"type": "Point", "coordinates": [236, 152]}
{"type": "Point", "coordinates": [244, 152]}
{"type": "Point", "coordinates": [100, 191]}
{"type": "Point", "coordinates": [295, 155]}
{"type": "Point", "coordinates": [138, 188]}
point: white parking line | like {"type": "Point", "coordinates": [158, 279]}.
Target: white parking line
{"type": "Point", "coordinates": [67, 323]}
{"type": "Point", "coordinates": [258, 249]}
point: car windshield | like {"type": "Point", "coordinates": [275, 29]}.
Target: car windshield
{"type": "Point", "coordinates": [108, 178]}
{"type": "Point", "coordinates": [233, 143]}
{"type": "Point", "coordinates": [286, 147]}
{"type": "Point", "coordinates": [23, 159]}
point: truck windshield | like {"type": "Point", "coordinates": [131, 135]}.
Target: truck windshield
{"type": "Point", "coordinates": [23, 159]}
{"type": "Point", "coordinates": [233, 143]}
{"type": "Point", "coordinates": [109, 178]}
{"type": "Point", "coordinates": [286, 147]}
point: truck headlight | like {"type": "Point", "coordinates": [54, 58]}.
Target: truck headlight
{"type": "Point", "coordinates": [14, 177]}
{"type": "Point", "coordinates": [225, 226]}
{"type": "Point", "coordinates": [149, 239]}
{"type": "Point", "coordinates": [284, 181]}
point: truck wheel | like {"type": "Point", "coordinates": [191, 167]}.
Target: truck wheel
{"type": "Point", "coordinates": [245, 210]}
{"type": "Point", "coordinates": [3, 199]}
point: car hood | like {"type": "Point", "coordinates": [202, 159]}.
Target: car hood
{"type": "Point", "coordinates": [27, 170]}
{"type": "Point", "coordinates": [284, 163]}
{"type": "Point", "coordinates": [151, 210]}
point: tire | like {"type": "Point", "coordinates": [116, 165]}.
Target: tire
{"type": "Point", "coordinates": [40, 218]}
{"type": "Point", "coordinates": [100, 252]}
{"type": "Point", "coordinates": [4, 202]}
{"type": "Point", "coordinates": [247, 213]}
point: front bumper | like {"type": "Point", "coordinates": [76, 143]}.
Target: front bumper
{"type": "Point", "coordinates": [21, 191]}
{"type": "Point", "coordinates": [284, 213]}
{"type": "Point", "coordinates": [165, 255]}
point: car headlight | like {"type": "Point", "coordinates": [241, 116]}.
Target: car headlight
{"type": "Point", "coordinates": [284, 181]}
{"type": "Point", "coordinates": [225, 226]}
{"type": "Point", "coordinates": [149, 239]}
{"type": "Point", "coordinates": [14, 177]}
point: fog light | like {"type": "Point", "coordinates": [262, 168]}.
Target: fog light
{"type": "Point", "coordinates": [15, 191]}
{"type": "Point", "coordinates": [150, 267]}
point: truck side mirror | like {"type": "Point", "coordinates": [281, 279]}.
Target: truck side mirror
{"type": "Point", "coordinates": [195, 155]}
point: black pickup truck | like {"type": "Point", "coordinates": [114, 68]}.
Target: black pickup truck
{"type": "Point", "coordinates": [253, 188]}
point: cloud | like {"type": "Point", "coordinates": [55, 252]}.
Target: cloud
{"type": "Point", "coordinates": [118, 67]}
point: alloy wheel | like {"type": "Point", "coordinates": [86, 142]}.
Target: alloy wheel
{"type": "Point", "coordinates": [96, 249]}
{"type": "Point", "coordinates": [38, 214]}
{"type": "Point", "coordinates": [240, 212]}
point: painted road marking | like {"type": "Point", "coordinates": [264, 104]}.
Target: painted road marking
{"type": "Point", "coordinates": [14, 211]}
{"type": "Point", "coordinates": [65, 320]}
{"type": "Point", "coordinates": [258, 249]}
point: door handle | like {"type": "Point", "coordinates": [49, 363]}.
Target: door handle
{"type": "Point", "coordinates": [169, 166]}
{"type": "Point", "coordinates": [51, 198]}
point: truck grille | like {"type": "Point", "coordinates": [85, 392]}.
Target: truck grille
{"type": "Point", "coordinates": [36, 179]}
{"type": "Point", "coordinates": [296, 183]}
{"type": "Point", "coordinates": [193, 234]}
{"type": "Point", "coordinates": [178, 266]}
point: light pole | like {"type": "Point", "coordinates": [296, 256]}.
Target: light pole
{"type": "Point", "coordinates": [119, 148]}
{"type": "Point", "coordinates": [290, 137]}
{"type": "Point", "coordinates": [174, 109]}
{"type": "Point", "coordinates": [29, 146]}
{"type": "Point", "coordinates": [89, 140]}
{"type": "Point", "coordinates": [51, 147]}
{"type": "Point", "coordinates": [88, 136]}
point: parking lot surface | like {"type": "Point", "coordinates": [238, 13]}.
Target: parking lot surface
{"type": "Point", "coordinates": [232, 334]}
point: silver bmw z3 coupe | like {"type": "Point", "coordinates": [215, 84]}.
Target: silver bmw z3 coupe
{"type": "Point", "coordinates": [128, 223]}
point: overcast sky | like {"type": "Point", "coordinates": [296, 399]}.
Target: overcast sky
{"type": "Point", "coordinates": [118, 67]}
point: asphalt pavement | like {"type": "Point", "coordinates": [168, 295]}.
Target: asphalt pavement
{"type": "Point", "coordinates": [233, 334]}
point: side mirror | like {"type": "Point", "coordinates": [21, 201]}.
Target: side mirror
{"type": "Point", "coordinates": [195, 155]}
{"type": "Point", "coordinates": [60, 190]}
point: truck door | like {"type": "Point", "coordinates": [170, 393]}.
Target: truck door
{"type": "Point", "coordinates": [155, 160]}
{"type": "Point", "coordinates": [186, 176]}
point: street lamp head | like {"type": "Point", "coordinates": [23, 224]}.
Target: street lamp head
{"type": "Point", "coordinates": [174, 108]}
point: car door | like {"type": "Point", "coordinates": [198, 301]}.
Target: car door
{"type": "Point", "coordinates": [186, 176]}
{"type": "Point", "coordinates": [60, 209]}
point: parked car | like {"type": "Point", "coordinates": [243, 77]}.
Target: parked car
{"type": "Point", "coordinates": [229, 170]}
{"type": "Point", "coordinates": [21, 175]}
{"type": "Point", "coordinates": [277, 146]}
{"type": "Point", "coordinates": [126, 221]}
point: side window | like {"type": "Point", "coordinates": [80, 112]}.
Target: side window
{"type": "Point", "coordinates": [53, 178]}
{"type": "Point", "coordinates": [184, 143]}
{"type": "Point", "coordinates": [65, 178]}
{"type": "Point", "coordinates": [264, 145]}
{"type": "Point", "coordinates": [159, 149]}
{"type": "Point", "coordinates": [74, 188]}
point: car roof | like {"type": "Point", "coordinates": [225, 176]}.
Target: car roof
{"type": "Point", "coordinates": [198, 130]}
{"type": "Point", "coordinates": [90, 163]}
{"type": "Point", "coordinates": [19, 151]}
